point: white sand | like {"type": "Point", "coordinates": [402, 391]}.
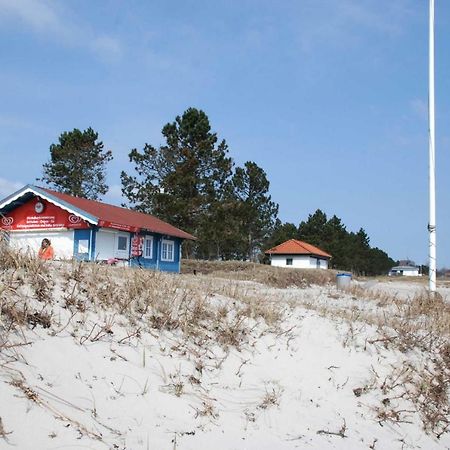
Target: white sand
{"type": "Point", "coordinates": [294, 390]}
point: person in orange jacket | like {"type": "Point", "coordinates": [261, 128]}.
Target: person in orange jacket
{"type": "Point", "coordinates": [46, 251]}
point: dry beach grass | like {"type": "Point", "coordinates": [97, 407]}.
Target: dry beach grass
{"type": "Point", "coordinates": [271, 276]}
{"type": "Point", "coordinates": [200, 344]}
{"type": "Point", "coordinates": [419, 323]}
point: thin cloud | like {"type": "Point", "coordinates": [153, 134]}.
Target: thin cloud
{"type": "Point", "coordinates": [340, 23]}
{"type": "Point", "coordinates": [36, 14]}
{"type": "Point", "coordinates": [7, 187]}
{"type": "Point", "coordinates": [107, 48]}
{"type": "Point", "coordinates": [11, 123]}
{"type": "Point", "coordinates": [47, 18]}
{"type": "Point", "coordinates": [373, 15]}
{"type": "Point", "coordinates": [114, 195]}
{"type": "Point", "coordinates": [419, 108]}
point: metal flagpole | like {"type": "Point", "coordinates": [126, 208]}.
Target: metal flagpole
{"type": "Point", "coordinates": [432, 169]}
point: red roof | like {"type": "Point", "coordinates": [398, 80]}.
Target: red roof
{"type": "Point", "coordinates": [117, 217]}
{"type": "Point", "coordinates": [295, 247]}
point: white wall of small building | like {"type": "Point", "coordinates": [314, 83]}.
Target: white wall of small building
{"type": "Point", "coordinates": [106, 245]}
{"type": "Point", "coordinates": [413, 272]}
{"type": "Point", "coordinates": [323, 263]}
{"type": "Point", "coordinates": [62, 241]}
{"type": "Point", "coordinates": [299, 262]}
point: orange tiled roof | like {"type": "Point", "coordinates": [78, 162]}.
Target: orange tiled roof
{"type": "Point", "coordinates": [295, 247]}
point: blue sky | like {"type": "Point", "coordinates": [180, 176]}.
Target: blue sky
{"type": "Point", "coordinates": [329, 97]}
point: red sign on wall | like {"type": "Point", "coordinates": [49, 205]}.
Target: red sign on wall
{"type": "Point", "coordinates": [118, 226]}
{"type": "Point", "coordinates": [136, 246]}
{"type": "Point", "coordinates": [37, 214]}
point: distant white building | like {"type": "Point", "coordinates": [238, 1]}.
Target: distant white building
{"type": "Point", "coordinates": [298, 255]}
{"type": "Point", "coordinates": [406, 271]}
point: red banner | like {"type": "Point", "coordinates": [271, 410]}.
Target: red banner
{"type": "Point", "coordinates": [39, 214]}
{"type": "Point", "coordinates": [136, 246]}
{"type": "Point", "coordinates": [118, 226]}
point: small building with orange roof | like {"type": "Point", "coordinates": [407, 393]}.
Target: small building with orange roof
{"type": "Point", "coordinates": [299, 255]}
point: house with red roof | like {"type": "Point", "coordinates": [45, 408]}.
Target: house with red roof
{"type": "Point", "coordinates": [298, 254]}
{"type": "Point", "coordinates": [90, 230]}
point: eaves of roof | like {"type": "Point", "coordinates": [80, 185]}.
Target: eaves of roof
{"type": "Point", "coordinates": [296, 247]}
{"type": "Point", "coordinates": [98, 213]}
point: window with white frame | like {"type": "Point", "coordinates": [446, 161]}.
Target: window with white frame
{"type": "Point", "coordinates": [122, 243]}
{"type": "Point", "coordinates": [167, 250]}
{"type": "Point", "coordinates": [148, 247]}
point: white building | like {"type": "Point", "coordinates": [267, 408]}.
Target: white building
{"type": "Point", "coordinates": [406, 271]}
{"type": "Point", "coordinates": [298, 255]}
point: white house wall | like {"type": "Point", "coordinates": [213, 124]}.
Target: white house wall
{"type": "Point", "coordinates": [298, 262]}
{"type": "Point", "coordinates": [411, 273]}
{"type": "Point", "coordinates": [62, 242]}
{"type": "Point", "coordinates": [323, 263]}
{"type": "Point", "coordinates": [106, 245]}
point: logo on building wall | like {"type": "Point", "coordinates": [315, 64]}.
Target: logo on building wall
{"type": "Point", "coordinates": [73, 219]}
{"type": "Point", "coordinates": [39, 207]}
{"type": "Point", "coordinates": [28, 217]}
{"type": "Point", "coordinates": [7, 221]}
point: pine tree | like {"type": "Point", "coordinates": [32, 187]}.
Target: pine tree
{"type": "Point", "coordinates": [335, 241]}
{"type": "Point", "coordinates": [184, 181]}
{"type": "Point", "coordinates": [313, 230]}
{"type": "Point", "coordinates": [189, 182]}
{"type": "Point", "coordinates": [282, 232]}
{"type": "Point", "coordinates": [349, 250]}
{"type": "Point", "coordinates": [77, 165]}
{"type": "Point", "coordinates": [254, 208]}
{"type": "Point", "coordinates": [378, 262]}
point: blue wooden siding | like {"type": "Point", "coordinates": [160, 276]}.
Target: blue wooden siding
{"type": "Point", "coordinates": [94, 238]}
{"type": "Point", "coordinates": [87, 238]}
{"type": "Point", "coordinates": [155, 262]}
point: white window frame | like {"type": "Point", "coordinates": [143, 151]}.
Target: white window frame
{"type": "Point", "coordinates": [127, 250]}
{"type": "Point", "coordinates": [168, 243]}
{"type": "Point", "coordinates": [144, 249]}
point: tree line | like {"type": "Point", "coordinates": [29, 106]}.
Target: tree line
{"type": "Point", "coordinates": [351, 251]}
{"type": "Point", "coordinates": [192, 182]}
